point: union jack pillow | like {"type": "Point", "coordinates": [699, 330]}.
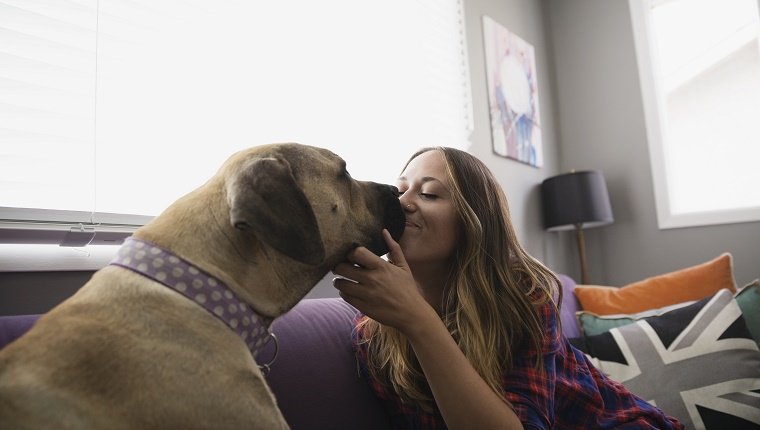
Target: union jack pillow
{"type": "Point", "coordinates": [698, 363]}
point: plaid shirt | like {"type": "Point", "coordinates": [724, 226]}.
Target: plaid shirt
{"type": "Point", "coordinates": [569, 394]}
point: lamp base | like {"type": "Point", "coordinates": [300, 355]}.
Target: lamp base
{"type": "Point", "coordinates": [582, 252]}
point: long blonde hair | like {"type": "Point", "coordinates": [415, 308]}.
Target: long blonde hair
{"type": "Point", "coordinates": [491, 298]}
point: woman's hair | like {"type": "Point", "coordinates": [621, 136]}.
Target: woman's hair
{"type": "Point", "coordinates": [491, 297]}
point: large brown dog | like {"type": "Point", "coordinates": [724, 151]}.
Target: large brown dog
{"type": "Point", "coordinates": [140, 347]}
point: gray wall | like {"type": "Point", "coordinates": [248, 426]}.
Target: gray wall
{"type": "Point", "coordinates": [526, 19]}
{"type": "Point", "coordinates": [601, 124]}
{"type": "Point", "coordinates": [24, 293]}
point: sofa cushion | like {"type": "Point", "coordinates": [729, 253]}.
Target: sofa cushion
{"type": "Point", "coordinates": [691, 283]}
{"type": "Point", "coordinates": [315, 377]}
{"type": "Point", "coordinates": [698, 363]}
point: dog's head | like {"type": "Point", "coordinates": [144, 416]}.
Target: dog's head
{"type": "Point", "coordinates": [301, 201]}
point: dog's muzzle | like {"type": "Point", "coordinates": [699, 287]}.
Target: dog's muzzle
{"type": "Point", "coordinates": [393, 217]}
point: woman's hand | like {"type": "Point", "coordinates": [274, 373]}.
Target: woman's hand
{"type": "Point", "coordinates": [383, 290]}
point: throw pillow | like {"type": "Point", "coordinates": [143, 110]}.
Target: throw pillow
{"type": "Point", "coordinates": [593, 324]}
{"type": "Point", "coordinates": [691, 283]}
{"type": "Point", "coordinates": [748, 298]}
{"type": "Point", "coordinates": [698, 363]}
{"type": "Point", "coordinates": [749, 302]}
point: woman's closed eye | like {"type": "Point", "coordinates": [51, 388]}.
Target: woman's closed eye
{"type": "Point", "coordinates": [428, 196]}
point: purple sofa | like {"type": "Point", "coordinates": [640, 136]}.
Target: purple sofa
{"type": "Point", "coordinates": [315, 377]}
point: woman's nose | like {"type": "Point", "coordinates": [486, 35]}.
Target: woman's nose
{"type": "Point", "coordinates": [406, 203]}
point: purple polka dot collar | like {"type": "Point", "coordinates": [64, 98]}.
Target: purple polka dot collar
{"type": "Point", "coordinates": [166, 268]}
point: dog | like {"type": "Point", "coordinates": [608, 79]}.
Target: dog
{"type": "Point", "coordinates": [165, 336]}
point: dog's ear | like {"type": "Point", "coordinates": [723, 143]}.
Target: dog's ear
{"type": "Point", "coordinates": [265, 199]}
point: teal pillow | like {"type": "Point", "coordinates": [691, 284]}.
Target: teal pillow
{"type": "Point", "coordinates": [748, 298]}
{"type": "Point", "coordinates": [593, 324]}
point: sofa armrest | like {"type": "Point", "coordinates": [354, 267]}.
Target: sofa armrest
{"type": "Point", "coordinates": [569, 307]}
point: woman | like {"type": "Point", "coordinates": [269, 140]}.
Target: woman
{"type": "Point", "coordinates": [460, 327]}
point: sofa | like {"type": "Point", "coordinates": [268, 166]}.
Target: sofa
{"type": "Point", "coordinates": [315, 376]}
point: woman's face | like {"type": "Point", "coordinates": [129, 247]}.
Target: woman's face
{"type": "Point", "coordinates": [431, 220]}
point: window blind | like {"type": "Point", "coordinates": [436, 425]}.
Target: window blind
{"type": "Point", "coordinates": [113, 109]}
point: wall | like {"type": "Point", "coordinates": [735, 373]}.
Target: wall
{"type": "Point", "coordinates": [526, 19]}
{"type": "Point", "coordinates": [601, 123]}
{"type": "Point", "coordinates": [24, 293]}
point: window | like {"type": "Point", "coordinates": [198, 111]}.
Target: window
{"type": "Point", "coordinates": [699, 63]}
{"type": "Point", "coordinates": [113, 109]}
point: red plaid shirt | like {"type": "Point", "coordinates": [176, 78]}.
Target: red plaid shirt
{"type": "Point", "coordinates": [569, 394]}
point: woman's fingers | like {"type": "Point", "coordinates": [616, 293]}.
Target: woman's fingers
{"type": "Point", "coordinates": [365, 258]}
{"type": "Point", "coordinates": [343, 285]}
{"type": "Point", "coordinates": [383, 290]}
{"type": "Point", "coordinates": [352, 292]}
{"type": "Point", "coordinates": [395, 255]}
{"type": "Point", "coordinates": [347, 270]}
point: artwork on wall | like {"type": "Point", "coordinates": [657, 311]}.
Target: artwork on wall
{"type": "Point", "coordinates": [512, 95]}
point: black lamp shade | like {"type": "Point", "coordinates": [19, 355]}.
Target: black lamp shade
{"type": "Point", "coordinates": [576, 198]}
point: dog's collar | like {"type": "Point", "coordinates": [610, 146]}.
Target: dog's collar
{"type": "Point", "coordinates": [162, 266]}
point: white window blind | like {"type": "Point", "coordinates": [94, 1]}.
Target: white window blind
{"type": "Point", "coordinates": [113, 109]}
{"type": "Point", "coordinates": [700, 71]}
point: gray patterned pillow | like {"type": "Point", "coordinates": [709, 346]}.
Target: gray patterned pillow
{"type": "Point", "coordinates": [697, 363]}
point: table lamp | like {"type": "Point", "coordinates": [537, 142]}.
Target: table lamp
{"type": "Point", "coordinates": [576, 200]}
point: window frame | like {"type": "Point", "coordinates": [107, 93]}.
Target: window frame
{"type": "Point", "coordinates": [654, 108]}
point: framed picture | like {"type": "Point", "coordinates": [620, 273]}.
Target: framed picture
{"type": "Point", "coordinates": [512, 95]}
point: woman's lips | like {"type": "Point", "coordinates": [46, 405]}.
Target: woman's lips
{"type": "Point", "coordinates": [411, 224]}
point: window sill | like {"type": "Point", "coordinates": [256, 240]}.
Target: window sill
{"type": "Point", "coordinates": [44, 258]}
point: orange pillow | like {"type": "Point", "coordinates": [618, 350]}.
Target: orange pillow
{"type": "Point", "coordinates": [691, 283]}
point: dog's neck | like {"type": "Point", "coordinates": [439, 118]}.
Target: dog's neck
{"type": "Point", "coordinates": [164, 267]}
